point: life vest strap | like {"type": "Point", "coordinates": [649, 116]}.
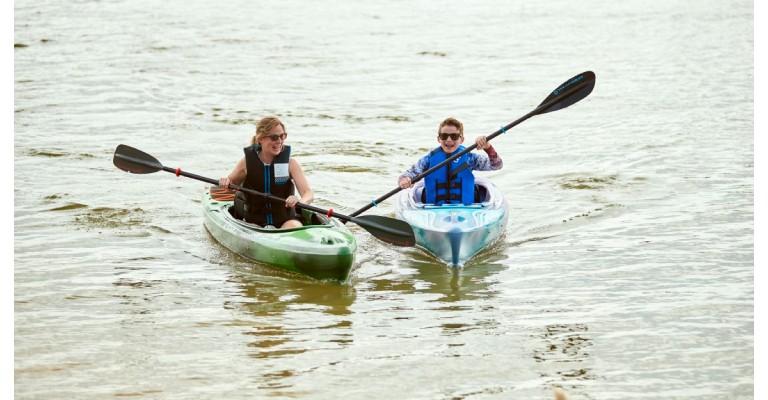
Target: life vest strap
{"type": "Point", "coordinates": [448, 185]}
{"type": "Point", "coordinates": [454, 173]}
{"type": "Point", "coordinates": [448, 197]}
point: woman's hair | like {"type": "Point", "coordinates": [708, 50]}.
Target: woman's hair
{"type": "Point", "coordinates": [264, 126]}
{"type": "Point", "coordinates": [451, 122]}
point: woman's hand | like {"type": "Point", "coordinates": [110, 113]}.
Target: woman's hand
{"type": "Point", "coordinates": [291, 201]}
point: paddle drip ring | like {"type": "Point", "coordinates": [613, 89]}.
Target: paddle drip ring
{"type": "Point", "coordinates": [178, 171]}
{"type": "Point", "coordinates": [330, 211]}
{"type": "Point", "coordinates": [503, 131]}
{"type": "Point", "coordinates": [373, 202]}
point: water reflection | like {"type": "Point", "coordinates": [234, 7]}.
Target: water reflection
{"type": "Point", "coordinates": [284, 317]}
{"type": "Point", "coordinates": [424, 295]}
{"type": "Point", "coordinates": [423, 275]}
{"type": "Point", "coordinates": [474, 281]}
{"type": "Point", "coordinates": [291, 316]}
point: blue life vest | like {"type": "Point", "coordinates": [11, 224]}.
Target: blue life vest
{"type": "Point", "coordinates": [267, 178]}
{"type": "Point", "coordinates": [452, 183]}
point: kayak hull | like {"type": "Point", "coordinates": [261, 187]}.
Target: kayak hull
{"type": "Point", "coordinates": [455, 233]}
{"type": "Point", "coordinates": [322, 249]}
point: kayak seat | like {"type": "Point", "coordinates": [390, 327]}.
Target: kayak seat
{"type": "Point", "coordinates": [238, 208]}
{"type": "Point", "coordinates": [481, 194]}
{"type": "Point", "coordinates": [308, 217]}
{"type": "Point", "coordinates": [420, 195]}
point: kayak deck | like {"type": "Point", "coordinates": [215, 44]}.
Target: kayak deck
{"type": "Point", "coordinates": [454, 233]}
{"type": "Point", "coordinates": [323, 248]}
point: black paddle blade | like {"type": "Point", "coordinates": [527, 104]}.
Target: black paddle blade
{"type": "Point", "coordinates": [386, 229]}
{"type": "Point", "coordinates": [135, 161]}
{"type": "Point", "coordinates": [569, 92]}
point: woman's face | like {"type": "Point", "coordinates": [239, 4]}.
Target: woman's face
{"type": "Point", "coordinates": [273, 142]}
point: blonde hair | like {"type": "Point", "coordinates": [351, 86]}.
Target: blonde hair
{"type": "Point", "coordinates": [265, 125]}
{"type": "Point", "coordinates": [451, 122]}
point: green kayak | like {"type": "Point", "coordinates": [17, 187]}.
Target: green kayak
{"type": "Point", "coordinates": [322, 249]}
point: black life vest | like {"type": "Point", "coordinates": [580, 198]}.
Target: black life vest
{"type": "Point", "coordinates": [267, 178]}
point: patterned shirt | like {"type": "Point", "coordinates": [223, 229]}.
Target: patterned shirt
{"type": "Point", "coordinates": [476, 162]}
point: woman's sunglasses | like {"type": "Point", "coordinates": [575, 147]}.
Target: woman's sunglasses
{"type": "Point", "coordinates": [453, 136]}
{"type": "Point", "coordinates": [274, 138]}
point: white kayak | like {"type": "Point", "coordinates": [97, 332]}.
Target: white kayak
{"type": "Point", "coordinates": [454, 233]}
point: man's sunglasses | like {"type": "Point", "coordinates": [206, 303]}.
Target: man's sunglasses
{"type": "Point", "coordinates": [453, 136]}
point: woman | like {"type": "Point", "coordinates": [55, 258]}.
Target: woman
{"type": "Point", "coordinates": [268, 167]}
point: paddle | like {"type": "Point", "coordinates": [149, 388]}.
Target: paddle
{"type": "Point", "coordinates": [390, 230]}
{"type": "Point", "coordinates": [568, 93]}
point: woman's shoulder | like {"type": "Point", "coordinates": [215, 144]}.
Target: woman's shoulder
{"type": "Point", "coordinates": [294, 162]}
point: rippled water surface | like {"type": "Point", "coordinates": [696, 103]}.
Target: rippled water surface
{"type": "Point", "coordinates": [626, 270]}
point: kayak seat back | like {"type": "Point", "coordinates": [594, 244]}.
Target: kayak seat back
{"type": "Point", "coordinates": [308, 217]}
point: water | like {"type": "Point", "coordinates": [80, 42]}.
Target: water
{"type": "Point", "coordinates": [627, 266]}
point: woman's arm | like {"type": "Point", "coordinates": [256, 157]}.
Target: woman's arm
{"type": "Point", "coordinates": [302, 185]}
{"type": "Point", "coordinates": [237, 176]}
